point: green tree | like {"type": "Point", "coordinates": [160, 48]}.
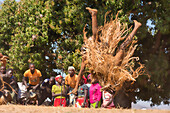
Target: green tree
{"type": "Point", "coordinates": [25, 35]}
{"type": "Point", "coordinates": [154, 46]}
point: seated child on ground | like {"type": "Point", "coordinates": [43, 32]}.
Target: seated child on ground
{"type": "Point", "coordinates": [59, 92]}
{"type": "Point", "coordinates": [95, 94]}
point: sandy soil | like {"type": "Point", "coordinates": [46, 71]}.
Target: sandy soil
{"type": "Point", "coordinates": [45, 109]}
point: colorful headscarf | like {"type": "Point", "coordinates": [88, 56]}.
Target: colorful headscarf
{"type": "Point", "coordinates": [57, 77]}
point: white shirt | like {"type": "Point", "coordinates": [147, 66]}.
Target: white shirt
{"type": "Point", "coordinates": [22, 90]}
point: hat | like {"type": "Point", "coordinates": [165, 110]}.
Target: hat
{"type": "Point", "coordinates": [71, 67]}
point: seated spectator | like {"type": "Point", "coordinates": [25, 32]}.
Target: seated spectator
{"type": "Point", "coordinates": [82, 100]}
{"type": "Point", "coordinates": [107, 100]}
{"type": "Point", "coordinates": [95, 94]}
{"type": "Point", "coordinates": [59, 92]}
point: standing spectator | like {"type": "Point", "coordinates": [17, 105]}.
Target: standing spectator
{"type": "Point", "coordinates": [10, 87]}
{"type": "Point", "coordinates": [59, 92]}
{"type": "Point", "coordinates": [13, 84]}
{"type": "Point", "coordinates": [46, 91]}
{"type": "Point", "coordinates": [35, 79]}
{"type": "Point", "coordinates": [82, 100]}
{"type": "Point", "coordinates": [71, 78]}
{"type": "Point", "coordinates": [34, 76]}
{"type": "Point", "coordinates": [2, 71]}
{"type": "Point", "coordinates": [95, 94]}
{"type": "Point", "coordinates": [70, 81]}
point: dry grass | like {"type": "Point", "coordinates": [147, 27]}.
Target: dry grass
{"type": "Point", "coordinates": [111, 71]}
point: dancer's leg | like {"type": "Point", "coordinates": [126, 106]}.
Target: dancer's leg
{"type": "Point", "coordinates": [131, 35]}
{"type": "Point", "coordinates": [123, 46]}
{"type": "Point", "coordinates": [93, 13]}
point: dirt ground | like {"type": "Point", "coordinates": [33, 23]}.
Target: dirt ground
{"type": "Point", "coordinates": [45, 109]}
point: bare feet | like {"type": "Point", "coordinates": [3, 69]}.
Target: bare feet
{"type": "Point", "coordinates": [92, 11]}
{"type": "Point", "coordinates": [137, 24]}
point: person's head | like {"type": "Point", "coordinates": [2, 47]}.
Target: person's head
{"type": "Point", "coordinates": [52, 80]}
{"type": "Point", "coordinates": [59, 79]}
{"type": "Point", "coordinates": [71, 70]}
{"type": "Point", "coordinates": [9, 72]}
{"type": "Point", "coordinates": [81, 81]}
{"type": "Point", "coordinates": [3, 69]}
{"type": "Point", "coordinates": [94, 80]}
{"type": "Point", "coordinates": [32, 67]}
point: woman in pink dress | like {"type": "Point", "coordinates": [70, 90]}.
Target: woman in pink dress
{"type": "Point", "coordinates": [95, 94]}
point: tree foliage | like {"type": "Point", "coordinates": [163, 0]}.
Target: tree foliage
{"type": "Point", "coordinates": [25, 34]}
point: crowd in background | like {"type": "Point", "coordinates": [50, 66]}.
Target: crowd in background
{"type": "Point", "coordinates": [54, 90]}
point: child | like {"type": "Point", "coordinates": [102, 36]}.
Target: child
{"type": "Point", "coordinates": [107, 100]}
{"type": "Point", "coordinates": [82, 100]}
{"type": "Point", "coordinates": [59, 92]}
{"type": "Point", "coordinates": [95, 94]}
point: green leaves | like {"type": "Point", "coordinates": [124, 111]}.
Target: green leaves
{"type": "Point", "coordinates": [26, 29]}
